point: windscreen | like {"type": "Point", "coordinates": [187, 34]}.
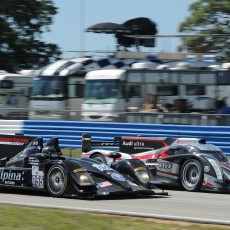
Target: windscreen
{"type": "Point", "coordinates": [45, 87]}
{"type": "Point", "coordinates": [101, 91]}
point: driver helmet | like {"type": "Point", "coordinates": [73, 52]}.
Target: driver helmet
{"type": "Point", "coordinates": [50, 150]}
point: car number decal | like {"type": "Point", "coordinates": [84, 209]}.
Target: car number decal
{"type": "Point", "coordinates": [37, 181]}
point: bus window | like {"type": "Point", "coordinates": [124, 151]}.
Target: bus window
{"type": "Point", "coordinates": [167, 90]}
{"type": "Point", "coordinates": [195, 90]}
{"type": "Point", "coordinates": [135, 91]}
{"type": "Point", "coordinates": [12, 100]}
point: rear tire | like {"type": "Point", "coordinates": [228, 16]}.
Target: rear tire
{"type": "Point", "coordinates": [99, 157]}
{"type": "Point", "coordinates": [192, 175]}
{"type": "Point", "coordinates": [56, 181]}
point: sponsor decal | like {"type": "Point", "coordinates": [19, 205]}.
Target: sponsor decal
{"type": "Point", "coordinates": [127, 143]}
{"type": "Point", "coordinates": [133, 143]}
{"type": "Point", "coordinates": [33, 160]}
{"type": "Point", "coordinates": [86, 139]}
{"type": "Point", "coordinates": [139, 169]}
{"type": "Point", "coordinates": [79, 170]}
{"type": "Point", "coordinates": [117, 176]}
{"type": "Point", "coordinates": [10, 182]}
{"type": "Point", "coordinates": [35, 168]}
{"type": "Point", "coordinates": [138, 144]}
{"type": "Point", "coordinates": [187, 140]}
{"type": "Point", "coordinates": [101, 167]}
{"type": "Point", "coordinates": [104, 184]}
{"type": "Point", "coordinates": [8, 175]}
{"type": "Point", "coordinates": [168, 169]}
{"type": "Point", "coordinates": [13, 141]}
{"type": "Point", "coordinates": [164, 165]}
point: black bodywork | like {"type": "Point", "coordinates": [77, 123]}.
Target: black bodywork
{"type": "Point", "coordinates": [43, 167]}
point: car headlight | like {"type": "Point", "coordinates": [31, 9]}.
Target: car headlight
{"type": "Point", "coordinates": [84, 179]}
{"type": "Point", "coordinates": [143, 176]}
{"type": "Point", "coordinates": [217, 168]}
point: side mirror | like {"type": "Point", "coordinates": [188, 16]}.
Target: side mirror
{"type": "Point", "coordinates": [114, 155]}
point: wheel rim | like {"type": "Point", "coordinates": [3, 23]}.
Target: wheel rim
{"type": "Point", "coordinates": [191, 174]}
{"type": "Point", "coordinates": [56, 180]}
{"type": "Point", "coordinates": [98, 158]}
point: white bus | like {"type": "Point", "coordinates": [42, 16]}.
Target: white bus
{"type": "Point", "coordinates": [111, 93]}
{"type": "Point", "coordinates": [14, 95]}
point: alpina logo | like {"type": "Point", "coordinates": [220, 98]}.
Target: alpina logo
{"type": "Point", "coordinates": [8, 175]}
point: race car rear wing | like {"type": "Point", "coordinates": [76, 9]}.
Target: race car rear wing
{"type": "Point", "coordinates": [11, 144]}
{"type": "Point", "coordinates": [128, 144]}
{"type": "Point", "coordinates": [87, 142]}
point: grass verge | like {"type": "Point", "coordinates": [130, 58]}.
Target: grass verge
{"type": "Point", "coordinates": [18, 217]}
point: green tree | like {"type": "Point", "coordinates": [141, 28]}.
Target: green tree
{"type": "Point", "coordinates": [208, 17]}
{"type": "Point", "coordinates": [22, 24]}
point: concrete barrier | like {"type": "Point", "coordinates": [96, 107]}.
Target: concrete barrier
{"type": "Point", "coordinates": [11, 126]}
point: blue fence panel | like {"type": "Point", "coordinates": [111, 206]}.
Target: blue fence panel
{"type": "Point", "coordinates": [70, 132]}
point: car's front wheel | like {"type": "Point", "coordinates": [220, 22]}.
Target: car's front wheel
{"type": "Point", "coordinates": [192, 175]}
{"type": "Point", "coordinates": [56, 180]}
{"type": "Point", "coordinates": [99, 157]}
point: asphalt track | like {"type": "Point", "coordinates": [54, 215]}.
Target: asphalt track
{"type": "Point", "coordinates": [197, 207]}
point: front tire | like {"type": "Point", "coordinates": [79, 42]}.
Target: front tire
{"type": "Point", "coordinates": [191, 175]}
{"type": "Point", "coordinates": [99, 157]}
{"type": "Point", "coordinates": [56, 181]}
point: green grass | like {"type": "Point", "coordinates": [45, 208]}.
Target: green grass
{"type": "Point", "coordinates": [18, 217]}
{"type": "Point", "coordinates": [72, 152]}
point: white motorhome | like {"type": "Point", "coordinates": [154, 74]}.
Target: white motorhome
{"type": "Point", "coordinates": [14, 95]}
{"type": "Point", "coordinates": [57, 91]}
{"type": "Point", "coordinates": [110, 93]}
{"type": "Point", "coordinates": [58, 88]}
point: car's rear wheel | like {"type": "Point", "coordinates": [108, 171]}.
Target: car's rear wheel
{"type": "Point", "coordinates": [99, 157]}
{"type": "Point", "coordinates": [56, 181]}
{"type": "Point", "coordinates": [192, 175]}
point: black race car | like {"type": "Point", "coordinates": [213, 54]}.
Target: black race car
{"type": "Point", "coordinates": [43, 167]}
